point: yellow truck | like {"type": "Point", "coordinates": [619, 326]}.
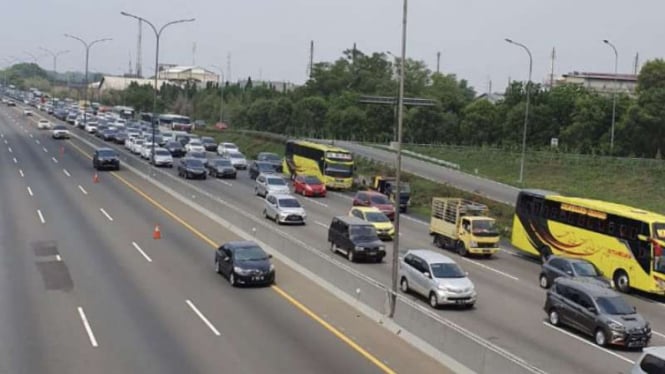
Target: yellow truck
{"type": "Point", "coordinates": [463, 226]}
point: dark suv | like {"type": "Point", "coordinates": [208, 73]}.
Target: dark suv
{"type": "Point", "coordinates": [577, 268]}
{"type": "Point", "coordinates": [105, 158]}
{"type": "Point", "coordinates": [596, 311]}
{"type": "Point", "coordinates": [355, 238]}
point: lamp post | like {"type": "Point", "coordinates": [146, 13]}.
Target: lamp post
{"type": "Point", "coordinates": [526, 111]}
{"type": "Point", "coordinates": [55, 56]}
{"type": "Point", "coordinates": [9, 61]}
{"type": "Point", "coordinates": [32, 56]}
{"type": "Point", "coordinates": [221, 91]}
{"type": "Point", "coordinates": [614, 93]}
{"type": "Point", "coordinates": [87, 57]}
{"type": "Point", "coordinates": [158, 34]}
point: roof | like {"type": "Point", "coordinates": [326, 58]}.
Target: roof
{"type": "Point", "coordinates": [601, 76]}
{"type": "Point", "coordinates": [589, 287]}
{"type": "Point", "coordinates": [241, 244]}
{"type": "Point", "coordinates": [282, 196]}
{"type": "Point", "coordinates": [569, 259]}
{"type": "Point", "coordinates": [431, 256]}
{"type": "Point", "coordinates": [351, 220]}
{"type": "Point", "coordinates": [612, 208]}
{"type": "Point", "coordinates": [324, 147]}
{"type": "Point", "coordinates": [367, 209]}
{"type": "Point", "coordinates": [656, 351]}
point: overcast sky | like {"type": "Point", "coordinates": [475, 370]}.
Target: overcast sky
{"type": "Point", "coordinates": [270, 38]}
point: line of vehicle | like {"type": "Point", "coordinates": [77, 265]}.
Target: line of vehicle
{"type": "Point", "coordinates": [626, 359]}
{"type": "Point", "coordinates": [203, 318]}
{"type": "Point", "coordinates": [106, 214]}
{"type": "Point", "coordinates": [88, 329]}
{"type": "Point", "coordinates": [136, 246]}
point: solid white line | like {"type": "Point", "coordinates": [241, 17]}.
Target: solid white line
{"type": "Point", "coordinates": [66, 172]}
{"type": "Point", "coordinates": [91, 336]}
{"type": "Point", "coordinates": [224, 182]}
{"type": "Point", "coordinates": [30, 135]}
{"type": "Point", "coordinates": [490, 268]}
{"type": "Point", "coordinates": [58, 258]}
{"type": "Point", "coordinates": [45, 150]}
{"type": "Point", "coordinates": [10, 150]}
{"type": "Point", "coordinates": [203, 318]}
{"type": "Point", "coordinates": [83, 190]}
{"type": "Point", "coordinates": [106, 214]}
{"type": "Point", "coordinates": [414, 220]}
{"type": "Point", "coordinates": [589, 343]}
{"type": "Point", "coordinates": [15, 160]}
{"type": "Point", "coordinates": [41, 216]}
{"type": "Point", "coordinates": [30, 191]}
{"type": "Point", "coordinates": [20, 171]}
{"type": "Point", "coordinates": [141, 251]}
{"type": "Point", "coordinates": [316, 202]}
{"type": "Point", "coordinates": [54, 160]}
{"type": "Point", "coordinates": [321, 224]}
{"type": "Point", "coordinates": [342, 196]}
{"type": "Point", "coordinates": [658, 334]}
{"type": "Point", "coordinates": [37, 141]}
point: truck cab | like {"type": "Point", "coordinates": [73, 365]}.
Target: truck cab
{"type": "Point", "coordinates": [388, 187]}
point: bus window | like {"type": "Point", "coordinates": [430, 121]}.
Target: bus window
{"type": "Point", "coordinates": [611, 227]}
{"type": "Point", "coordinates": [581, 220]}
{"type": "Point", "coordinates": [623, 232]}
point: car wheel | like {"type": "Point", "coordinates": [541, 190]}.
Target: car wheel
{"type": "Point", "coordinates": [205, 177]}
{"type": "Point", "coordinates": [621, 281]}
{"type": "Point", "coordinates": [553, 317]}
{"type": "Point", "coordinates": [461, 249]}
{"type": "Point", "coordinates": [351, 255]}
{"type": "Point", "coordinates": [600, 337]}
{"type": "Point", "coordinates": [433, 301]}
{"type": "Point", "coordinates": [256, 191]}
{"type": "Point", "coordinates": [544, 282]}
{"type": "Point", "coordinates": [265, 214]}
{"type": "Point", "coordinates": [232, 279]}
{"type": "Point", "coordinates": [218, 268]}
{"type": "Point", "coordinates": [332, 247]}
{"type": "Point", "coordinates": [404, 285]}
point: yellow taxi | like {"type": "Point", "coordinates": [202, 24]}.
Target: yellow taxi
{"type": "Point", "coordinates": [384, 228]}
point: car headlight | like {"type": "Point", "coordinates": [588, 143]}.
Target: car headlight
{"type": "Point", "coordinates": [616, 326]}
{"type": "Point", "coordinates": [360, 249]}
{"type": "Point", "coordinates": [382, 248]}
{"type": "Point", "coordinates": [239, 270]}
{"type": "Point", "coordinates": [473, 243]}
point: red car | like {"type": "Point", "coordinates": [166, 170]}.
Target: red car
{"type": "Point", "coordinates": [309, 185]}
{"type": "Point", "coordinates": [377, 200]}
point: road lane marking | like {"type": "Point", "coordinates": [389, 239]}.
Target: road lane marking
{"type": "Point", "coordinates": [342, 196]}
{"type": "Point", "coordinates": [141, 252]}
{"type": "Point", "coordinates": [30, 135]}
{"type": "Point", "coordinates": [10, 149]}
{"type": "Point", "coordinates": [106, 214]}
{"type": "Point", "coordinates": [83, 190]}
{"type": "Point", "coordinates": [321, 224]}
{"type": "Point", "coordinates": [316, 202]}
{"type": "Point", "coordinates": [30, 191]}
{"type": "Point", "coordinates": [86, 325]}
{"type": "Point", "coordinates": [37, 141]}
{"type": "Point", "coordinates": [45, 150]}
{"type": "Point", "coordinates": [20, 171]}
{"type": "Point", "coordinates": [6, 141]}
{"type": "Point", "coordinates": [58, 258]}
{"type": "Point", "coordinates": [490, 268]}
{"type": "Point", "coordinates": [41, 216]}
{"type": "Point", "coordinates": [203, 318]}
{"type": "Point", "coordinates": [414, 220]}
{"type": "Point", "coordinates": [15, 160]}
{"type": "Point", "coordinates": [224, 182]}
{"type": "Point", "coordinates": [54, 160]}
{"type": "Point", "coordinates": [589, 343]}
{"type": "Point", "coordinates": [66, 172]}
{"type": "Point", "coordinates": [658, 334]}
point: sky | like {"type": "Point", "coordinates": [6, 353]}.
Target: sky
{"type": "Point", "coordinates": [270, 39]}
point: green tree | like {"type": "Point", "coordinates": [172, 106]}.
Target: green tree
{"type": "Point", "coordinates": [480, 123]}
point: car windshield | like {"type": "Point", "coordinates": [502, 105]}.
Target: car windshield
{"type": "Point", "coordinates": [376, 217]}
{"type": "Point", "coordinates": [162, 152]}
{"type": "Point", "coordinates": [222, 162]}
{"type": "Point", "coordinates": [289, 203]}
{"type": "Point", "coordinates": [363, 232]}
{"type": "Point", "coordinates": [229, 146]}
{"type": "Point", "coordinates": [614, 305]}
{"type": "Point", "coordinates": [195, 163]}
{"type": "Point", "coordinates": [59, 127]}
{"type": "Point", "coordinates": [138, 142]}
{"type": "Point", "coordinates": [236, 155]}
{"type": "Point", "coordinates": [107, 153]}
{"type": "Point", "coordinates": [447, 270]}
{"type": "Point", "coordinates": [264, 167]}
{"type": "Point", "coordinates": [269, 157]}
{"type": "Point", "coordinates": [195, 142]}
{"type": "Point", "coordinates": [196, 154]}
{"type": "Point", "coordinates": [250, 254]}
{"type": "Point", "coordinates": [339, 170]}
{"type": "Point", "coordinates": [174, 145]}
{"type": "Point", "coordinates": [276, 181]}
{"type": "Point", "coordinates": [207, 140]}
{"type": "Point", "coordinates": [310, 179]}
{"type": "Point", "coordinates": [379, 199]}
{"type": "Point", "coordinates": [584, 269]}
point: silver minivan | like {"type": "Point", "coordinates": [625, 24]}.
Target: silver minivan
{"type": "Point", "coordinates": [652, 361]}
{"type": "Point", "coordinates": [283, 208]}
{"type": "Point", "coordinates": [267, 183]}
{"type": "Point", "coordinates": [436, 277]}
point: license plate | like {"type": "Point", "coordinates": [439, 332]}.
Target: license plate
{"type": "Point", "coordinates": [460, 302]}
{"type": "Point", "coordinates": [257, 278]}
{"type": "Point", "coordinates": [487, 250]}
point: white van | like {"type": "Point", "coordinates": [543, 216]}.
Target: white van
{"type": "Point", "coordinates": [652, 361]}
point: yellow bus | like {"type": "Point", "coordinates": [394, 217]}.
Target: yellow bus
{"type": "Point", "coordinates": [333, 165]}
{"type": "Point", "coordinates": [625, 243]}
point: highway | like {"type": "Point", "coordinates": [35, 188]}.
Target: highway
{"type": "Point", "coordinates": [508, 313]}
{"type": "Point", "coordinates": [85, 287]}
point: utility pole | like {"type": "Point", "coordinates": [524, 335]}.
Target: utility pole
{"type": "Point", "coordinates": [194, 54]}
{"type": "Point", "coordinates": [438, 62]}
{"type": "Point", "coordinates": [139, 43]}
{"type": "Point", "coordinates": [614, 92]}
{"type": "Point", "coordinates": [228, 67]}
{"type": "Point", "coordinates": [552, 71]}
{"type": "Point", "coordinates": [55, 56]}
{"type": "Point", "coordinates": [636, 67]}
{"type": "Point", "coordinates": [311, 58]}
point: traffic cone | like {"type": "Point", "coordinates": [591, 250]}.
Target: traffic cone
{"type": "Point", "coordinates": [95, 178]}
{"type": "Point", "coordinates": [156, 234]}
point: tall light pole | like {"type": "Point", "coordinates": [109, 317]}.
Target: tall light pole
{"type": "Point", "coordinates": [396, 104]}
{"type": "Point", "coordinates": [614, 92]}
{"type": "Point", "coordinates": [398, 164]}
{"type": "Point", "coordinates": [526, 111]}
{"type": "Point", "coordinates": [9, 61]}
{"type": "Point", "coordinates": [87, 57]}
{"type": "Point", "coordinates": [221, 91]}
{"type": "Point", "coordinates": [32, 56]}
{"type": "Point", "coordinates": [158, 34]}
{"type": "Point", "coordinates": [55, 56]}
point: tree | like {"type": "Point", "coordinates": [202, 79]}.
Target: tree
{"type": "Point", "coordinates": [453, 95]}
{"type": "Point", "coordinates": [480, 123]}
{"type": "Point", "coordinates": [309, 112]}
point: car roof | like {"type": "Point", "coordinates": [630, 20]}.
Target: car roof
{"type": "Point", "coordinates": [655, 351]}
{"type": "Point", "coordinates": [588, 287]}
{"type": "Point", "coordinates": [240, 244]}
{"type": "Point", "coordinates": [105, 149]}
{"type": "Point", "coordinates": [568, 259]}
{"type": "Point", "coordinates": [351, 220]}
{"type": "Point", "coordinates": [367, 209]}
{"type": "Point", "coordinates": [282, 196]}
{"type": "Point", "coordinates": [431, 256]}
{"type": "Point", "coordinates": [372, 193]}
{"type": "Point", "coordinates": [272, 176]}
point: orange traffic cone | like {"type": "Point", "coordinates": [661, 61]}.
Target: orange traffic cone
{"type": "Point", "coordinates": [156, 234]}
{"type": "Point", "coordinates": [95, 178]}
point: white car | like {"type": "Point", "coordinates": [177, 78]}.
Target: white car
{"type": "Point", "coordinates": [91, 127]}
{"type": "Point", "coordinates": [270, 184]}
{"type": "Point", "coordinates": [60, 132]}
{"type": "Point", "coordinates": [194, 145]}
{"type": "Point", "coordinates": [43, 124]}
{"type": "Point", "coordinates": [283, 208]}
{"type": "Point", "coordinates": [136, 146]}
{"type": "Point", "coordinates": [162, 158]}
{"type": "Point", "coordinates": [226, 146]}
{"type": "Point", "coordinates": [238, 160]}
{"type": "Point", "coordinates": [146, 149]}
{"type": "Point", "coordinates": [27, 112]}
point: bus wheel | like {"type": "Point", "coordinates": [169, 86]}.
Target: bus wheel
{"type": "Point", "coordinates": [621, 281]}
{"type": "Point", "coordinates": [545, 253]}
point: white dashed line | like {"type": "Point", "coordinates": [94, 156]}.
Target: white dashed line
{"type": "Point", "coordinates": [30, 135]}
{"type": "Point", "coordinates": [66, 172]}
{"type": "Point", "coordinates": [20, 171]}
{"type": "Point", "coordinates": [321, 224]}
{"type": "Point", "coordinates": [45, 150]}
{"type": "Point", "coordinates": [58, 258]}
{"type": "Point", "coordinates": [10, 150]}
{"type": "Point", "coordinates": [658, 334]}
{"type": "Point", "coordinates": [203, 318]}
{"type": "Point", "coordinates": [224, 182]}
{"type": "Point", "coordinates": [141, 252]}
{"type": "Point", "coordinates": [15, 160]}
{"type": "Point", "coordinates": [414, 220]}
{"type": "Point", "coordinates": [106, 214]}
{"type": "Point", "coordinates": [316, 202]}
{"type": "Point", "coordinates": [6, 141]}
{"type": "Point", "coordinates": [589, 343]}
{"type": "Point", "coordinates": [490, 268]}
{"type": "Point", "coordinates": [342, 196]}
{"type": "Point", "coordinates": [30, 191]}
{"type": "Point", "coordinates": [41, 216]}
{"type": "Point", "coordinates": [54, 159]}
{"type": "Point", "coordinates": [83, 190]}
{"type": "Point", "coordinates": [37, 141]}
{"type": "Point", "coordinates": [86, 325]}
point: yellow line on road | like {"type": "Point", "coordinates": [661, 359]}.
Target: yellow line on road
{"type": "Point", "coordinates": [341, 336]}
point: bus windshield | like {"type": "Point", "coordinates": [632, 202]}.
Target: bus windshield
{"type": "Point", "coordinates": [339, 170]}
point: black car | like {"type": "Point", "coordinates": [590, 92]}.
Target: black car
{"type": "Point", "coordinates": [260, 167]}
{"type": "Point", "coordinates": [191, 168]}
{"type": "Point", "coordinates": [597, 311]}
{"type": "Point", "coordinates": [580, 269]}
{"type": "Point", "coordinates": [355, 238]}
{"type": "Point", "coordinates": [100, 130]}
{"type": "Point", "coordinates": [198, 155]}
{"type": "Point", "coordinates": [120, 137]}
{"type": "Point", "coordinates": [221, 167]}
{"type": "Point", "coordinates": [272, 158]}
{"type": "Point", "coordinates": [106, 158]}
{"type": "Point", "coordinates": [209, 143]}
{"type": "Point", "coordinates": [176, 149]}
{"type": "Point", "coordinates": [108, 135]}
{"type": "Point", "coordinates": [244, 262]}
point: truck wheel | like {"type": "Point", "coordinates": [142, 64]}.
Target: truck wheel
{"type": "Point", "coordinates": [436, 239]}
{"type": "Point", "coordinates": [461, 249]}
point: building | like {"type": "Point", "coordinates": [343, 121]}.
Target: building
{"type": "Point", "coordinates": [279, 86]}
{"type": "Point", "coordinates": [601, 82]}
{"type": "Point", "coordinates": [110, 82]}
{"type": "Point", "coordinates": [194, 74]}
{"type": "Point", "coordinates": [494, 97]}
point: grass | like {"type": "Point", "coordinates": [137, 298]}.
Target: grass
{"type": "Point", "coordinates": [422, 190]}
{"type": "Point", "coordinates": [634, 182]}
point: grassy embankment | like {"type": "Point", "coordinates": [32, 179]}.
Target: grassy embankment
{"type": "Point", "coordinates": [422, 190]}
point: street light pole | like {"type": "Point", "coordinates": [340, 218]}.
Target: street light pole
{"type": "Point", "coordinates": [158, 34]}
{"type": "Point", "coordinates": [614, 93]}
{"type": "Point", "coordinates": [87, 56]}
{"type": "Point", "coordinates": [55, 56]}
{"type": "Point", "coordinates": [398, 165]}
{"type": "Point", "coordinates": [221, 90]}
{"type": "Point", "coordinates": [526, 111]}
